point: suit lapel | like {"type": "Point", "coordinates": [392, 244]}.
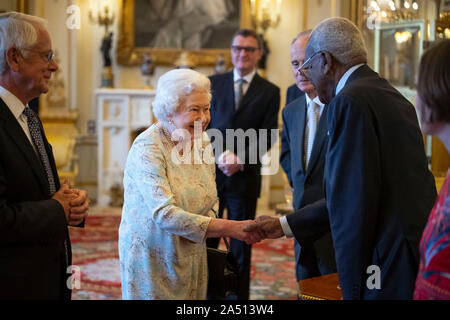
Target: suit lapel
{"type": "Point", "coordinates": [15, 131]}
{"type": "Point", "coordinates": [319, 141]}
{"type": "Point", "coordinates": [228, 94]}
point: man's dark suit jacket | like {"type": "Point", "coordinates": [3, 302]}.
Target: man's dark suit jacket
{"type": "Point", "coordinates": [258, 110]}
{"type": "Point", "coordinates": [379, 190]}
{"type": "Point", "coordinates": [307, 184]}
{"type": "Point", "coordinates": [292, 93]}
{"type": "Point", "coordinates": [33, 226]}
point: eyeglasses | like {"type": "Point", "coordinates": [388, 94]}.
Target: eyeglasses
{"type": "Point", "coordinates": [246, 49]}
{"type": "Point", "coordinates": [47, 56]}
{"type": "Point", "coordinates": [303, 72]}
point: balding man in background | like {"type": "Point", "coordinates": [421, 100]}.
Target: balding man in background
{"type": "Point", "coordinates": [35, 209]}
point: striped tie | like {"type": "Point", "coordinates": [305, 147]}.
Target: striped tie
{"type": "Point", "coordinates": [35, 131]}
{"type": "Point", "coordinates": [239, 93]}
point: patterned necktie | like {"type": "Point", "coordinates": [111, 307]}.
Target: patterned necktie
{"type": "Point", "coordinates": [239, 93]}
{"type": "Point", "coordinates": [35, 132]}
{"type": "Point", "coordinates": [310, 130]}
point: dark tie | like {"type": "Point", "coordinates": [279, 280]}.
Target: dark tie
{"type": "Point", "coordinates": [239, 93]}
{"type": "Point", "coordinates": [35, 131]}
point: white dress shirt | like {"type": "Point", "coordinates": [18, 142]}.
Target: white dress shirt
{"type": "Point", "coordinates": [16, 106]}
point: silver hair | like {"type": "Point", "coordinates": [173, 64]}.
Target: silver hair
{"type": "Point", "coordinates": [341, 38]}
{"type": "Point", "coordinates": [174, 86]}
{"type": "Point", "coordinates": [17, 29]}
{"type": "Point", "coordinates": [302, 34]}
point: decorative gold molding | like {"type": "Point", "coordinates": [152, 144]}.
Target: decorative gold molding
{"type": "Point", "coordinates": [129, 55]}
{"type": "Point", "coordinates": [357, 13]}
{"type": "Point", "coordinates": [304, 15]}
{"type": "Point", "coordinates": [21, 6]}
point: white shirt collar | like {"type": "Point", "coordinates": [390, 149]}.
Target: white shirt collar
{"type": "Point", "coordinates": [344, 78]}
{"type": "Point", "coordinates": [249, 77]}
{"type": "Point", "coordinates": [14, 104]}
{"type": "Point", "coordinates": [316, 100]}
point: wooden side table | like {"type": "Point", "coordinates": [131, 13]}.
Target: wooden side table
{"type": "Point", "coordinates": [320, 288]}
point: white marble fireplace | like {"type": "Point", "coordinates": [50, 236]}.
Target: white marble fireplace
{"type": "Point", "coordinates": [121, 114]}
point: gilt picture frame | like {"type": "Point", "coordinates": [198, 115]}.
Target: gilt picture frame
{"type": "Point", "coordinates": [155, 27]}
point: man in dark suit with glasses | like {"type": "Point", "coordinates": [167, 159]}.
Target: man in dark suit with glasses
{"type": "Point", "coordinates": [241, 99]}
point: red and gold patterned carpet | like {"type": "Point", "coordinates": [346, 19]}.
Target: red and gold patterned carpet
{"type": "Point", "coordinates": [95, 253]}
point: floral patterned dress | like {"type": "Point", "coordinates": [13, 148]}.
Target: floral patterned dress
{"type": "Point", "coordinates": [167, 208]}
{"type": "Point", "coordinates": [433, 280]}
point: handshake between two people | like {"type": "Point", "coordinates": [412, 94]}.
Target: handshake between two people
{"type": "Point", "coordinates": [75, 203]}
{"type": "Point", "coordinates": [253, 231]}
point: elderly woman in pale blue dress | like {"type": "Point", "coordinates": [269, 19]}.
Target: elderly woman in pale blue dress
{"type": "Point", "coordinates": [170, 197]}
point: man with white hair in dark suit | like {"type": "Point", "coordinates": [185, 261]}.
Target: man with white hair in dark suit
{"type": "Point", "coordinates": [378, 188]}
{"type": "Point", "coordinates": [35, 209]}
{"type": "Point", "coordinates": [303, 148]}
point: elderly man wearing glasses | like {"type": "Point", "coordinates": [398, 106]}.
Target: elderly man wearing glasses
{"type": "Point", "coordinates": [378, 188]}
{"type": "Point", "coordinates": [303, 148]}
{"type": "Point", "coordinates": [35, 209]}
